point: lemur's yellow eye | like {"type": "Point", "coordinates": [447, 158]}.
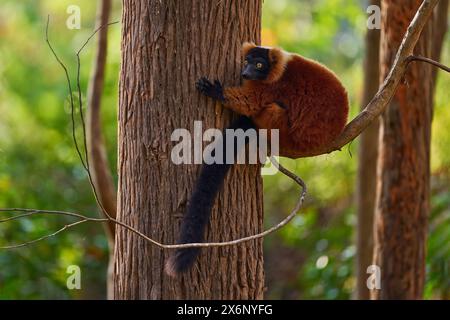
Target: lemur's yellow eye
{"type": "Point", "coordinates": [259, 65]}
{"type": "Point", "coordinates": [245, 62]}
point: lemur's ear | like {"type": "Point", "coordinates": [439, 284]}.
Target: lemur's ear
{"type": "Point", "coordinates": [246, 47]}
{"type": "Point", "coordinates": [278, 61]}
{"type": "Point", "coordinates": [275, 55]}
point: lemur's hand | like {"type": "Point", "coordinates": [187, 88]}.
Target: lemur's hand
{"type": "Point", "coordinates": [209, 89]}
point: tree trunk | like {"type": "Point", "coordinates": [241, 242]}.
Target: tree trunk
{"type": "Point", "coordinates": [403, 200]}
{"type": "Point", "coordinates": [367, 169]}
{"type": "Point", "coordinates": [166, 47]}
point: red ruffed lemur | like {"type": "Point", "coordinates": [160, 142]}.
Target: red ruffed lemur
{"type": "Point", "coordinates": [301, 98]}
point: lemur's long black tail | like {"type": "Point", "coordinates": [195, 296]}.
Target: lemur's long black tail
{"type": "Point", "coordinates": [199, 208]}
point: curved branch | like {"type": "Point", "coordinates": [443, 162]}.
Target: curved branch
{"type": "Point", "coordinates": [83, 218]}
{"type": "Point", "coordinates": [32, 212]}
{"type": "Point", "coordinates": [72, 107]}
{"type": "Point", "coordinates": [387, 90]}
{"type": "Point", "coordinates": [428, 60]}
{"type": "Point", "coordinates": [66, 72]}
{"type": "Point", "coordinates": [65, 227]}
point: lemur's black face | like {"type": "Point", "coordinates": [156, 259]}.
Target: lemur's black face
{"type": "Point", "coordinates": [256, 64]}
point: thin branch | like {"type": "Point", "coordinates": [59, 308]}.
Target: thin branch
{"type": "Point", "coordinates": [24, 244]}
{"type": "Point", "coordinates": [32, 212]}
{"type": "Point", "coordinates": [87, 168]}
{"type": "Point", "coordinates": [83, 218]}
{"type": "Point", "coordinates": [74, 137]}
{"type": "Point", "coordinates": [29, 212]}
{"type": "Point", "coordinates": [72, 106]}
{"type": "Point", "coordinates": [80, 99]}
{"type": "Point", "coordinates": [17, 217]}
{"type": "Point", "coordinates": [428, 60]}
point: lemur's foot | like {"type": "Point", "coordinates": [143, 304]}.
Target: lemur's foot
{"type": "Point", "coordinates": [209, 89]}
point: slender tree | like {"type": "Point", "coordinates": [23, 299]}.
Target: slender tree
{"type": "Point", "coordinates": [166, 47]}
{"type": "Point", "coordinates": [403, 200]}
{"type": "Point", "coordinates": [99, 167]}
{"type": "Point", "coordinates": [367, 167]}
{"type": "Point", "coordinates": [440, 27]}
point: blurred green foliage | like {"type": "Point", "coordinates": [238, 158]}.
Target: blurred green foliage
{"type": "Point", "coordinates": [38, 164]}
{"type": "Point", "coordinates": [332, 32]}
{"type": "Point", "coordinates": [40, 169]}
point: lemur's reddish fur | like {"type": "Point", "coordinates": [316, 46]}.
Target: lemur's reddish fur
{"type": "Point", "coordinates": [300, 97]}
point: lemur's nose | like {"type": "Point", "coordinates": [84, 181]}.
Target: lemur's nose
{"type": "Point", "coordinates": [245, 75]}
